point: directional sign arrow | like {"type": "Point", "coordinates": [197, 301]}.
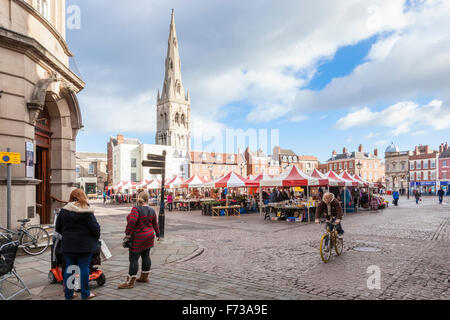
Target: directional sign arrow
{"type": "Point", "coordinates": [153, 164]}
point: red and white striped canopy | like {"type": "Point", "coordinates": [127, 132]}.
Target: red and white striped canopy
{"type": "Point", "coordinates": [347, 183]}
{"type": "Point", "coordinates": [175, 181]}
{"type": "Point", "coordinates": [142, 184]}
{"type": "Point", "coordinates": [128, 186]}
{"type": "Point", "coordinates": [330, 181]}
{"type": "Point", "coordinates": [193, 182]}
{"type": "Point", "coordinates": [365, 182]}
{"type": "Point", "coordinates": [154, 184]}
{"type": "Point", "coordinates": [346, 176]}
{"type": "Point", "coordinates": [233, 180]}
{"type": "Point", "coordinates": [262, 176]}
{"type": "Point", "coordinates": [117, 186]}
{"type": "Point", "coordinates": [293, 178]}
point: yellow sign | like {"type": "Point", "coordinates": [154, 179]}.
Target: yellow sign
{"type": "Point", "coordinates": [9, 157]}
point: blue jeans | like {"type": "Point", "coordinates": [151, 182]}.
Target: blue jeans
{"type": "Point", "coordinates": [440, 200]}
{"type": "Point", "coordinates": [82, 260]}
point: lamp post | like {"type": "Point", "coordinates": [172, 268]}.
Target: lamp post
{"type": "Point", "coordinates": [242, 165]}
{"type": "Point", "coordinates": [359, 166]}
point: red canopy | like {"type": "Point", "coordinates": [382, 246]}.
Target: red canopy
{"type": "Point", "coordinates": [293, 178]}
{"type": "Point", "coordinates": [193, 182]}
{"type": "Point", "coordinates": [346, 176]}
{"type": "Point", "coordinates": [262, 176]}
{"type": "Point", "coordinates": [234, 180]}
{"type": "Point", "coordinates": [348, 183]}
{"type": "Point", "coordinates": [330, 181]}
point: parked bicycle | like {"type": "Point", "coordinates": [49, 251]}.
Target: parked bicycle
{"type": "Point", "coordinates": [329, 241]}
{"type": "Point", "coordinates": [33, 240]}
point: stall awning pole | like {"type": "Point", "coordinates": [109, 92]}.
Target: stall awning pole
{"type": "Point", "coordinates": [260, 201]}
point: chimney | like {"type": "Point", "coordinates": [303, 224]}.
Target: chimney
{"type": "Point", "coordinates": [119, 139]}
{"type": "Point", "coordinates": [375, 152]}
{"type": "Point", "coordinates": [441, 148]}
{"type": "Point", "coordinates": [427, 149]}
{"type": "Point", "coordinates": [334, 153]}
{"type": "Point", "coordinates": [360, 148]}
{"type": "Point", "coordinates": [446, 146]}
{"type": "Point", "coordinates": [416, 151]}
{"type": "Point", "coordinates": [344, 151]}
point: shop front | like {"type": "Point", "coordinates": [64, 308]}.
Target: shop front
{"type": "Point", "coordinates": [424, 187]}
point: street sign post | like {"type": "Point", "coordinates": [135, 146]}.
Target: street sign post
{"type": "Point", "coordinates": [9, 158]}
{"type": "Point", "coordinates": [157, 165]}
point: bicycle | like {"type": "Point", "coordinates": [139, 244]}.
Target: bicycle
{"type": "Point", "coordinates": [329, 241]}
{"type": "Point", "coordinates": [32, 240]}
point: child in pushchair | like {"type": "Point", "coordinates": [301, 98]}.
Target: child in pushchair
{"type": "Point", "coordinates": [58, 265]}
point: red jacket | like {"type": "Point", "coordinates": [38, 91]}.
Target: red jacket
{"type": "Point", "coordinates": [143, 228]}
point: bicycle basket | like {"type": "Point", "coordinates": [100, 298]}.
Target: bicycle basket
{"type": "Point", "coordinates": [8, 251]}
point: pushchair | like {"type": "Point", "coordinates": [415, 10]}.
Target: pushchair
{"type": "Point", "coordinates": [55, 275]}
{"type": "Point", "coordinates": [8, 252]}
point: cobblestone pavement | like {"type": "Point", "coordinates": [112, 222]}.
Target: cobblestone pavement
{"type": "Point", "coordinates": [249, 258]}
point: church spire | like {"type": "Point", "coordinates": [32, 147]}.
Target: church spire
{"type": "Point", "coordinates": [173, 85]}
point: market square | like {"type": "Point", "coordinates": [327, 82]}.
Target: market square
{"type": "Point", "coordinates": [194, 152]}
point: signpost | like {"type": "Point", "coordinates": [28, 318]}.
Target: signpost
{"type": "Point", "coordinates": [157, 164]}
{"type": "Point", "coordinates": [9, 158]}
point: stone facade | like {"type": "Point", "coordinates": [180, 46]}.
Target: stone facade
{"type": "Point", "coordinates": [396, 166]}
{"type": "Point", "coordinates": [91, 172]}
{"type": "Point", "coordinates": [38, 105]}
{"type": "Point", "coordinates": [173, 111]}
{"type": "Point", "coordinates": [288, 158]}
{"type": "Point", "coordinates": [371, 167]}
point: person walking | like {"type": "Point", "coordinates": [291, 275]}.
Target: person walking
{"type": "Point", "coordinates": [170, 201]}
{"type": "Point", "coordinates": [417, 196]}
{"type": "Point", "coordinates": [142, 228]}
{"type": "Point", "coordinates": [80, 233]}
{"type": "Point", "coordinates": [395, 196]}
{"type": "Point", "coordinates": [440, 195]}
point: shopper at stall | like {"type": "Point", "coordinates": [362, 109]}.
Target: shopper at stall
{"type": "Point", "coordinates": [80, 233]}
{"type": "Point", "coordinates": [141, 228]}
{"type": "Point", "coordinates": [170, 201]}
{"type": "Point", "coordinates": [440, 195]}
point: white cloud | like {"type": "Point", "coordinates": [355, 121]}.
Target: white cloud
{"type": "Point", "coordinates": [401, 117]}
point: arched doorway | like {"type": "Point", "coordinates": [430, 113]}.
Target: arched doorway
{"type": "Point", "coordinates": [43, 135]}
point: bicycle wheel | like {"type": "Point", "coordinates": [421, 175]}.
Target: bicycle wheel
{"type": "Point", "coordinates": [338, 245]}
{"type": "Point", "coordinates": [35, 241]}
{"type": "Point", "coordinates": [325, 248]}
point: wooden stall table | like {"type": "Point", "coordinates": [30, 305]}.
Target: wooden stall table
{"type": "Point", "coordinates": [234, 209]}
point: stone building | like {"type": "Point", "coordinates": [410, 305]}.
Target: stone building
{"type": "Point", "coordinates": [423, 169]}
{"type": "Point", "coordinates": [39, 110]}
{"type": "Point", "coordinates": [173, 111]}
{"type": "Point", "coordinates": [288, 158]}
{"type": "Point", "coordinates": [258, 162]}
{"type": "Point", "coordinates": [396, 167]}
{"type": "Point", "coordinates": [216, 164]}
{"type": "Point", "coordinates": [444, 168]}
{"type": "Point", "coordinates": [125, 156]}
{"type": "Point", "coordinates": [91, 172]}
{"type": "Point", "coordinates": [366, 164]}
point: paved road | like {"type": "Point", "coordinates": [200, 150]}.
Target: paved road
{"type": "Point", "coordinates": [249, 258]}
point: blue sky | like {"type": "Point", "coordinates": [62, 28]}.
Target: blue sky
{"type": "Point", "coordinates": [326, 75]}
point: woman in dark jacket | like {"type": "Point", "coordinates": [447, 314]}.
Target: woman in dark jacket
{"type": "Point", "coordinates": [80, 235]}
{"type": "Point", "coordinates": [142, 227]}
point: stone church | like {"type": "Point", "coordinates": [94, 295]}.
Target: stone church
{"type": "Point", "coordinates": [173, 105]}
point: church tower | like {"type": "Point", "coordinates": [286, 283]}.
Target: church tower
{"type": "Point", "coordinates": [173, 105]}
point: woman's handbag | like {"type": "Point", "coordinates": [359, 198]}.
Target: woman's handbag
{"type": "Point", "coordinates": [127, 242]}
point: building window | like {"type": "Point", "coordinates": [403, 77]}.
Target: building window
{"type": "Point", "coordinates": [295, 159]}
{"type": "Point", "coordinates": [78, 171]}
{"type": "Point", "coordinates": [425, 165]}
{"type": "Point", "coordinates": [433, 164]}
{"type": "Point", "coordinates": [444, 163]}
{"type": "Point", "coordinates": [419, 165]}
{"type": "Point", "coordinates": [91, 168]}
{"type": "Point", "coordinates": [203, 157]}
{"type": "Point", "coordinates": [345, 165]}
{"type": "Point", "coordinates": [232, 158]}
{"type": "Point", "coordinates": [411, 166]}
{"type": "Point", "coordinates": [133, 177]}
{"type": "Point", "coordinates": [219, 158]}
{"type": "Point", "coordinates": [133, 162]}
{"type": "Point", "coordinates": [340, 166]}
{"type": "Point", "coordinates": [284, 159]}
{"type": "Point", "coordinates": [351, 165]}
{"type": "Point", "coordinates": [43, 8]}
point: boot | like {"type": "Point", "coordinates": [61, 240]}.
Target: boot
{"type": "Point", "coordinates": [143, 277]}
{"type": "Point", "coordinates": [129, 283]}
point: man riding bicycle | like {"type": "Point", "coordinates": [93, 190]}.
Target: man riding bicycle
{"type": "Point", "coordinates": [331, 207]}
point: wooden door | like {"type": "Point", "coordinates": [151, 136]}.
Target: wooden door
{"type": "Point", "coordinates": [42, 167]}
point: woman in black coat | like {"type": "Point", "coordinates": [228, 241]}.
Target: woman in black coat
{"type": "Point", "coordinates": [80, 235]}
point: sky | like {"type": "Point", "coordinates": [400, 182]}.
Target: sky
{"type": "Point", "coordinates": [320, 75]}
